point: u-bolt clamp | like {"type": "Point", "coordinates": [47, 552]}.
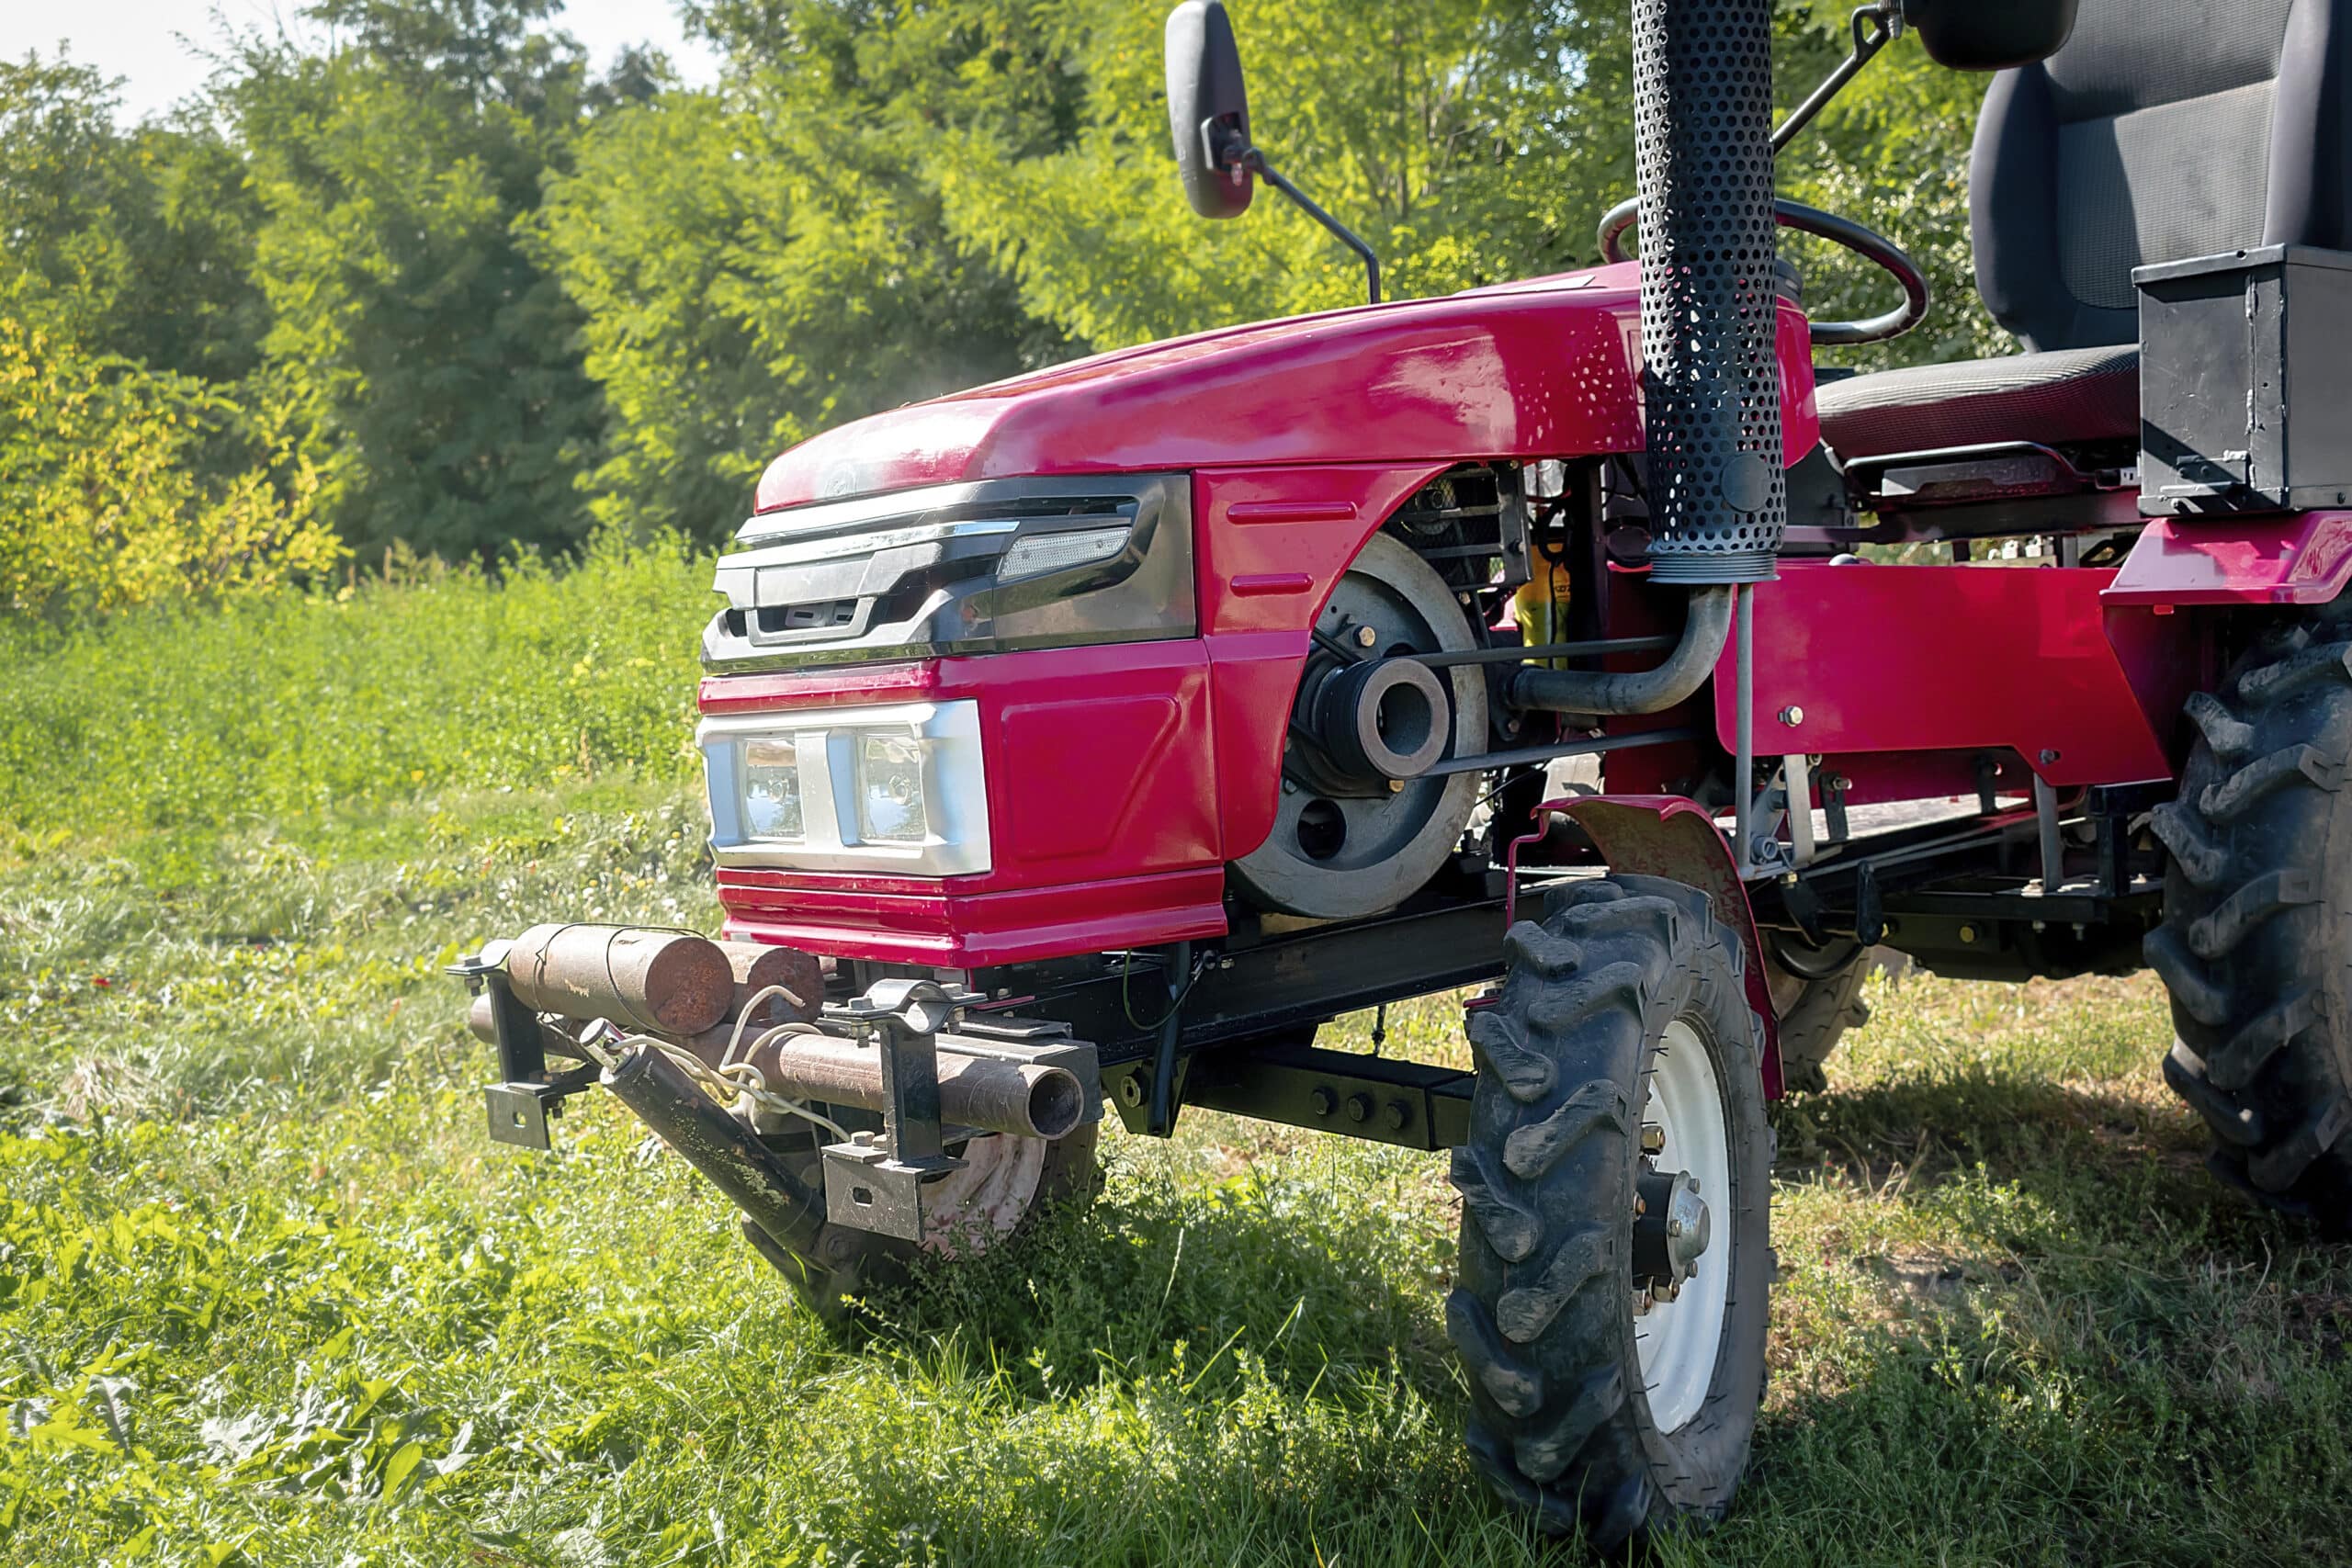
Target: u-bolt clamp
{"type": "Point", "coordinates": [907, 1015]}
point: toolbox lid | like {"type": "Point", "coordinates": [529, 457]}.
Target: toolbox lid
{"type": "Point", "coordinates": [2243, 261]}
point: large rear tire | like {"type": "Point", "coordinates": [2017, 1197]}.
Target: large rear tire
{"type": "Point", "coordinates": [2258, 927]}
{"type": "Point", "coordinates": [1597, 1404]}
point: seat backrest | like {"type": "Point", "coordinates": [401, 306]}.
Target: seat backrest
{"type": "Point", "coordinates": [2165, 129]}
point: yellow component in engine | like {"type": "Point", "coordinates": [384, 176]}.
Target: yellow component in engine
{"type": "Point", "coordinates": [1541, 608]}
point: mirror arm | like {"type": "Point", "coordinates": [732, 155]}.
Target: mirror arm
{"type": "Point", "coordinates": [1875, 26]}
{"type": "Point", "coordinates": [1256, 159]}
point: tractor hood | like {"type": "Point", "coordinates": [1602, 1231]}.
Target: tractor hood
{"type": "Point", "coordinates": [1549, 367]}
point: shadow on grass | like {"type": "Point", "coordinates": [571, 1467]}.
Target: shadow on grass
{"type": "Point", "coordinates": [1160, 1278]}
{"type": "Point", "coordinates": [2108, 1164]}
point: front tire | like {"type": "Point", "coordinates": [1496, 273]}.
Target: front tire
{"type": "Point", "coordinates": [1624, 1009]}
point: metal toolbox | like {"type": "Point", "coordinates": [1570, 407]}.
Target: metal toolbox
{"type": "Point", "coordinates": [2229, 346]}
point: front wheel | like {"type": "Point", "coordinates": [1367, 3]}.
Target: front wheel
{"type": "Point", "coordinates": [1612, 1306]}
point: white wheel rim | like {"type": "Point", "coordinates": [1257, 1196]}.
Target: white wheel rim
{"type": "Point", "coordinates": [1678, 1342]}
{"type": "Point", "coordinates": [981, 1200]}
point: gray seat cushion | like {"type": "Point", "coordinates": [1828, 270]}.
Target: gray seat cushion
{"type": "Point", "coordinates": [2071, 397]}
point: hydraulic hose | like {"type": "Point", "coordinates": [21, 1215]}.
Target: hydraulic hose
{"type": "Point", "coordinates": [1643, 691]}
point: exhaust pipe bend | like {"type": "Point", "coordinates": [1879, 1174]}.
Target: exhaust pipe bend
{"type": "Point", "coordinates": [1643, 690]}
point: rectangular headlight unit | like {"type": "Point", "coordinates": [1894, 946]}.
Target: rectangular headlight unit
{"type": "Point", "coordinates": [898, 789]}
{"type": "Point", "coordinates": [771, 783]}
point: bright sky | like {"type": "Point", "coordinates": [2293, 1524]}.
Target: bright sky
{"type": "Point", "coordinates": [152, 43]}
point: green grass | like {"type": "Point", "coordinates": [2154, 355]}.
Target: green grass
{"type": "Point", "coordinates": [268, 1296]}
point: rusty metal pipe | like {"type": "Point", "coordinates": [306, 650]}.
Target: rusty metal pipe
{"type": "Point", "coordinates": [650, 982]}
{"type": "Point", "coordinates": [1025, 1099]}
{"type": "Point", "coordinates": [483, 1022]}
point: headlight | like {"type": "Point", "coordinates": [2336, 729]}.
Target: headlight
{"type": "Point", "coordinates": [898, 789]}
{"type": "Point", "coordinates": [889, 790]}
{"type": "Point", "coordinates": [771, 789]}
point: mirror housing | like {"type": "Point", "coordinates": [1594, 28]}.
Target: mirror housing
{"type": "Point", "coordinates": [1990, 35]}
{"type": "Point", "coordinates": [1208, 109]}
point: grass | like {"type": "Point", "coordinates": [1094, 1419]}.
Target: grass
{"type": "Point", "coordinates": [270, 1297]}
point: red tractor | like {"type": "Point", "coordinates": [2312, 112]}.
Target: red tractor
{"type": "Point", "coordinates": [1096, 737]}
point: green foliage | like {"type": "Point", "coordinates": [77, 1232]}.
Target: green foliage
{"type": "Point", "coordinates": [292, 706]}
{"type": "Point", "coordinates": [132, 244]}
{"type": "Point", "coordinates": [756, 264]}
{"type": "Point", "coordinates": [434, 366]}
{"type": "Point", "coordinates": [122, 489]}
{"type": "Point", "coordinates": [1468, 141]}
{"type": "Point", "coordinates": [493, 301]}
{"type": "Point", "coordinates": [270, 1299]}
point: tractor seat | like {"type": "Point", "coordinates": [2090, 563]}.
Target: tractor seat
{"type": "Point", "coordinates": [2069, 396]}
{"type": "Point", "coordinates": [2163, 129]}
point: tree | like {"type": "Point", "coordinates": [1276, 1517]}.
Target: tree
{"type": "Point", "coordinates": [125, 486]}
{"type": "Point", "coordinates": [1468, 141]}
{"type": "Point", "coordinates": [434, 366]}
{"type": "Point", "coordinates": [136, 243]}
{"type": "Point", "coordinates": [758, 263]}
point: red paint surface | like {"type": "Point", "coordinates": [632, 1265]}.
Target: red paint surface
{"type": "Point", "coordinates": [1549, 367]}
{"type": "Point", "coordinates": [2304, 559]}
{"type": "Point", "coordinates": [1946, 659]}
{"type": "Point", "coordinates": [952, 928]}
{"type": "Point", "coordinates": [1659, 835]}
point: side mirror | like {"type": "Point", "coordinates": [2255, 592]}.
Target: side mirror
{"type": "Point", "coordinates": [1990, 35]}
{"type": "Point", "coordinates": [1208, 109]}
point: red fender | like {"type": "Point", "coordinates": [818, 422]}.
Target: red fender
{"type": "Point", "coordinates": [1666, 835]}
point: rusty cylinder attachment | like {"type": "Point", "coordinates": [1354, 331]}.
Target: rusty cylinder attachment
{"type": "Point", "coordinates": [1025, 1099]}
{"type": "Point", "coordinates": [650, 982]}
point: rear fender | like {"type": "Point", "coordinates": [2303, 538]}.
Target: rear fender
{"type": "Point", "coordinates": [1668, 836]}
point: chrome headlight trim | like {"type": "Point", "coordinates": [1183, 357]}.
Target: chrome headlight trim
{"type": "Point", "coordinates": [828, 741]}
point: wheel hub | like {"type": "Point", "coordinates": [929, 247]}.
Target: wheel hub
{"type": "Point", "coordinates": [1680, 1283]}
{"type": "Point", "coordinates": [1670, 1230]}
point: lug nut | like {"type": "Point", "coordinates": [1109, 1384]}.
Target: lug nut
{"type": "Point", "coordinates": [1653, 1137]}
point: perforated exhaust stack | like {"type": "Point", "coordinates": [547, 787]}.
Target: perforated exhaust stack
{"type": "Point", "coordinates": [1702, 121]}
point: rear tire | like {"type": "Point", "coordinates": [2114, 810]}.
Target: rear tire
{"type": "Point", "coordinates": [2258, 923]}
{"type": "Point", "coordinates": [1815, 1007]}
{"type": "Point", "coordinates": [1591, 1416]}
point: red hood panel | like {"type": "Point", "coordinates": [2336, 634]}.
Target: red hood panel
{"type": "Point", "coordinates": [1544, 369]}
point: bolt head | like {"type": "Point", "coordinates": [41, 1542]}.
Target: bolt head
{"type": "Point", "coordinates": [1792, 715]}
{"type": "Point", "coordinates": [1968, 933]}
{"type": "Point", "coordinates": [1366, 637]}
{"type": "Point", "coordinates": [1396, 786]}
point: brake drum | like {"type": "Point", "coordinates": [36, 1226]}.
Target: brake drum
{"type": "Point", "coordinates": [1348, 840]}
